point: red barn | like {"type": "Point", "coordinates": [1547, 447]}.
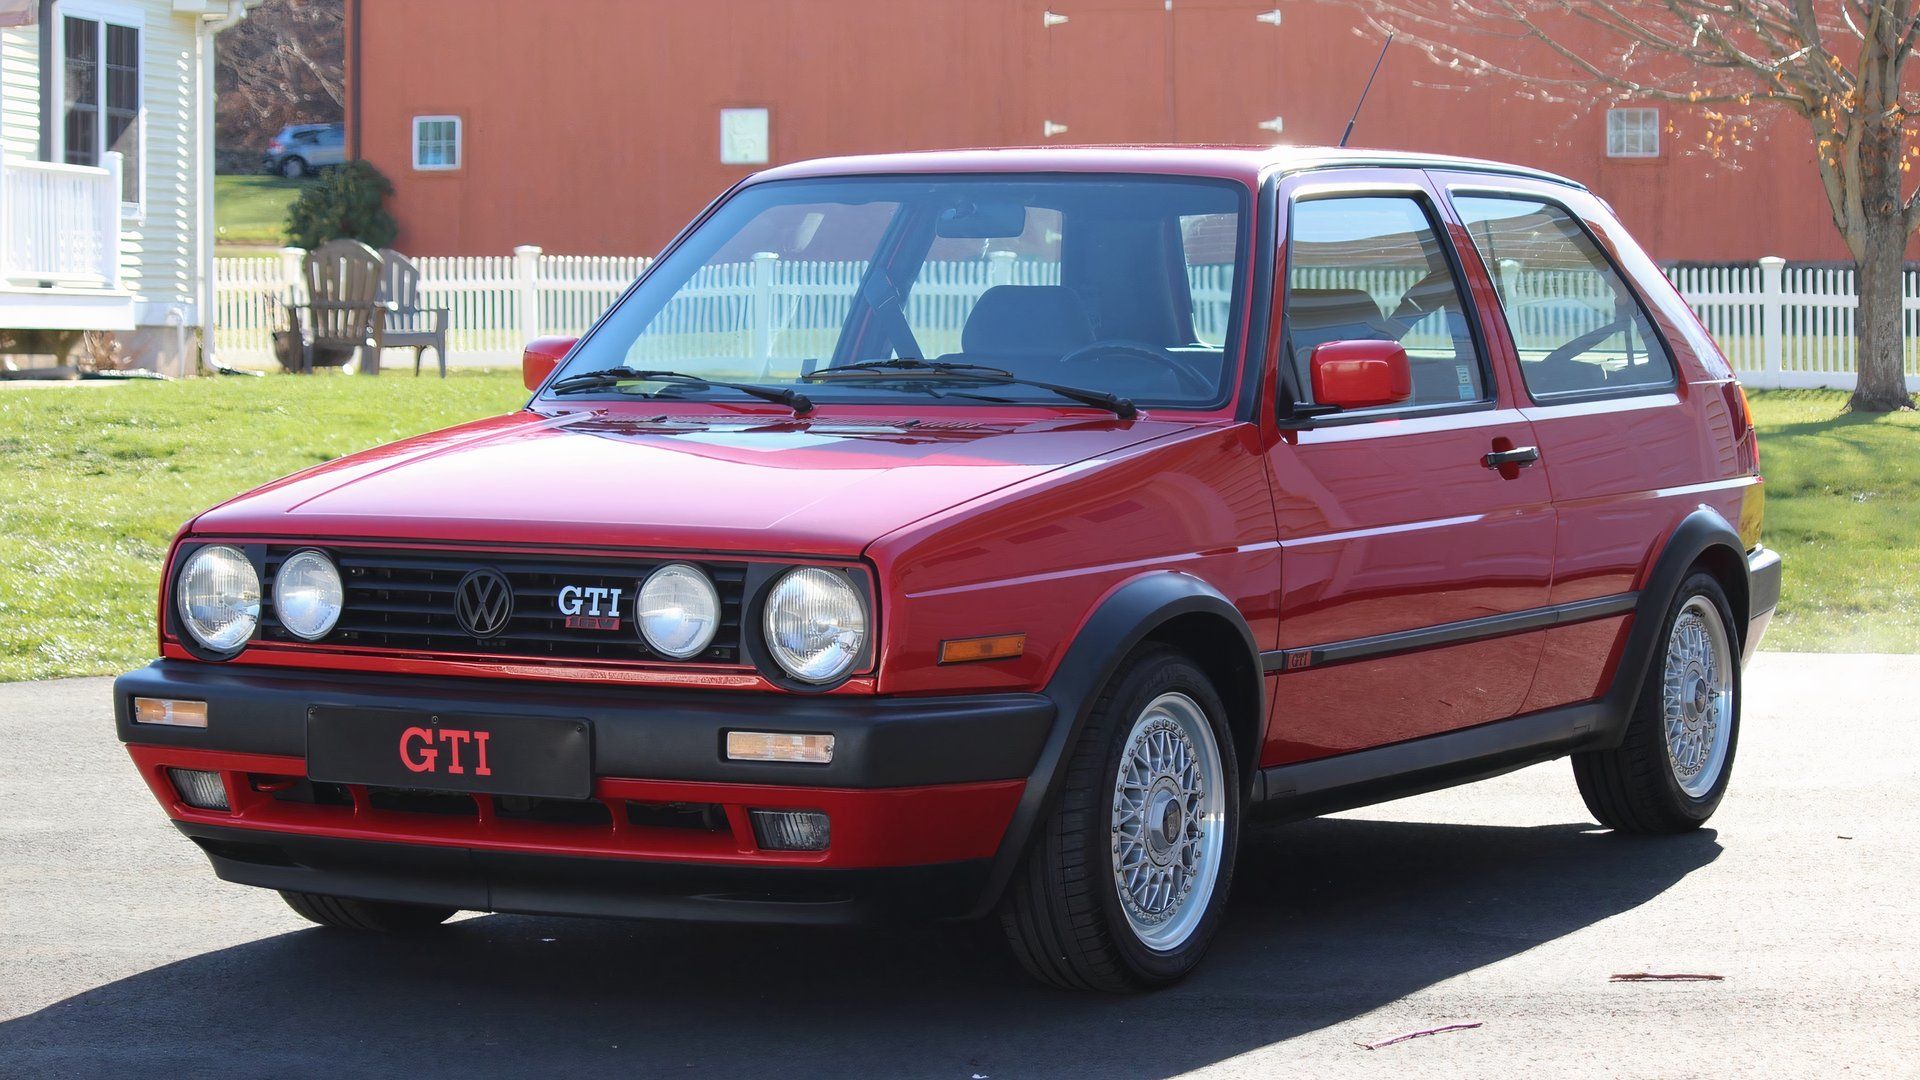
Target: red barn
{"type": "Point", "coordinates": [601, 126]}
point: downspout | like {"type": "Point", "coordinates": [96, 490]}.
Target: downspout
{"type": "Point", "coordinates": [209, 25]}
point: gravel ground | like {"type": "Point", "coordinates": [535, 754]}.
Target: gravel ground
{"type": "Point", "coordinates": [1499, 904]}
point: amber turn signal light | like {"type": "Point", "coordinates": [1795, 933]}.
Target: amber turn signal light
{"type": "Point", "coordinates": [968, 650]}
{"type": "Point", "coordinates": [168, 712]}
{"type": "Point", "coordinates": [779, 746]}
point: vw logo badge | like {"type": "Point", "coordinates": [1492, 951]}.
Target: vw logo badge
{"type": "Point", "coordinates": [483, 602]}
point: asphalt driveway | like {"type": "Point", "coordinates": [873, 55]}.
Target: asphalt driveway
{"type": "Point", "coordinates": [1499, 904]}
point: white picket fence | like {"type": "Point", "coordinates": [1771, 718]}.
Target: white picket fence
{"type": "Point", "coordinates": [1781, 326]}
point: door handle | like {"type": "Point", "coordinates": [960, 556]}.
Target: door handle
{"type": "Point", "coordinates": [1519, 457]}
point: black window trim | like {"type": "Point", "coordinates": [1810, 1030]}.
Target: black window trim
{"type": "Point", "coordinates": [1549, 399]}
{"type": "Point", "coordinates": [1292, 394]}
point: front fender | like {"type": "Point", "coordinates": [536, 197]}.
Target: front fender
{"type": "Point", "coordinates": [1125, 617]}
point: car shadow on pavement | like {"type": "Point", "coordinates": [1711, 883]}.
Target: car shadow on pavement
{"type": "Point", "coordinates": [1330, 919]}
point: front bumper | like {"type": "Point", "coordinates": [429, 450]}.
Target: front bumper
{"type": "Point", "coordinates": [919, 795]}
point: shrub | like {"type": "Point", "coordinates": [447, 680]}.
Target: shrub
{"type": "Point", "coordinates": [343, 202]}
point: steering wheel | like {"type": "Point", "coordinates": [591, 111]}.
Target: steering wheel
{"type": "Point", "coordinates": [1185, 372]}
{"type": "Point", "coordinates": [1585, 341]}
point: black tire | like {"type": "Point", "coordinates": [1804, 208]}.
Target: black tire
{"type": "Point", "coordinates": [371, 916]}
{"type": "Point", "coordinates": [293, 168]}
{"type": "Point", "coordinates": [1062, 912]}
{"type": "Point", "coordinates": [1632, 788]}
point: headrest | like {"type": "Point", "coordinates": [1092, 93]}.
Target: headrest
{"type": "Point", "coordinates": [1046, 320]}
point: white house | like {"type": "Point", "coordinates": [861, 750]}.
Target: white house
{"type": "Point", "coordinates": [106, 169]}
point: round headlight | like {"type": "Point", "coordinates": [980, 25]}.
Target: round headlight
{"type": "Point", "coordinates": [219, 598]}
{"type": "Point", "coordinates": [816, 624]}
{"type": "Point", "coordinates": [679, 611]}
{"type": "Point", "coordinates": [307, 596]}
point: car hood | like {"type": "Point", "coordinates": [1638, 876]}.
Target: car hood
{"type": "Point", "coordinates": [826, 486]}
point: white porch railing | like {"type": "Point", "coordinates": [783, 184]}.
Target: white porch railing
{"type": "Point", "coordinates": [1780, 326]}
{"type": "Point", "coordinates": [60, 224]}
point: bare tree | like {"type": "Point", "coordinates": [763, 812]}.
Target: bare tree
{"type": "Point", "coordinates": [283, 64]}
{"type": "Point", "coordinates": [1840, 65]}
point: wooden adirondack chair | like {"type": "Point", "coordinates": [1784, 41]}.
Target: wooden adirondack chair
{"type": "Point", "coordinates": [342, 314]}
{"type": "Point", "coordinates": [408, 325]}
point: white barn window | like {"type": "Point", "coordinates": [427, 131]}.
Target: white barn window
{"type": "Point", "coordinates": [436, 143]}
{"type": "Point", "coordinates": [1633, 133]}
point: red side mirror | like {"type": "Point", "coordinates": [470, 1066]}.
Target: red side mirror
{"type": "Point", "coordinates": [542, 356]}
{"type": "Point", "coordinates": [1360, 374]}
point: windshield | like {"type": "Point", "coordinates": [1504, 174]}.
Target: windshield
{"type": "Point", "coordinates": [1125, 285]}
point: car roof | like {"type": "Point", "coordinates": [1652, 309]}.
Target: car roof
{"type": "Point", "coordinates": [1246, 163]}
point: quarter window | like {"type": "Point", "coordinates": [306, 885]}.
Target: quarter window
{"type": "Point", "coordinates": [101, 97]}
{"type": "Point", "coordinates": [1633, 133]}
{"type": "Point", "coordinates": [1576, 324]}
{"type": "Point", "coordinates": [436, 143]}
{"type": "Point", "coordinates": [1373, 268]}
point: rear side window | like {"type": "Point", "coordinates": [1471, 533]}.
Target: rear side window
{"type": "Point", "coordinates": [1578, 327]}
{"type": "Point", "coordinates": [1371, 267]}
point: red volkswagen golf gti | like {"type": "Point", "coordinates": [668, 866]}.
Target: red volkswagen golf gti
{"type": "Point", "coordinates": [991, 533]}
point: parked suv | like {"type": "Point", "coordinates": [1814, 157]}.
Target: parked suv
{"type": "Point", "coordinates": [991, 533]}
{"type": "Point", "coordinates": [299, 149]}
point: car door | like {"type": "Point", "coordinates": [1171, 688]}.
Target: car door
{"type": "Point", "coordinates": [1413, 571]}
{"type": "Point", "coordinates": [1624, 456]}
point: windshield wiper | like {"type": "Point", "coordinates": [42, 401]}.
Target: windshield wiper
{"type": "Point", "coordinates": [910, 367]}
{"type": "Point", "coordinates": [608, 378]}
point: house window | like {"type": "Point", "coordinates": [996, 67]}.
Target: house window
{"type": "Point", "coordinates": [1633, 133]}
{"type": "Point", "coordinates": [436, 143]}
{"type": "Point", "coordinates": [100, 87]}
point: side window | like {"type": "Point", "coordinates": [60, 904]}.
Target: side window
{"type": "Point", "coordinates": [1372, 268]}
{"type": "Point", "coordinates": [1577, 325]}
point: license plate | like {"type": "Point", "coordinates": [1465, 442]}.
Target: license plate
{"type": "Point", "coordinates": [538, 756]}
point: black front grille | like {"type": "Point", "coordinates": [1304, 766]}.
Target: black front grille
{"type": "Point", "coordinates": [404, 601]}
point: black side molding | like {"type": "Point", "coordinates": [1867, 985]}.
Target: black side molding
{"type": "Point", "coordinates": [1453, 633]}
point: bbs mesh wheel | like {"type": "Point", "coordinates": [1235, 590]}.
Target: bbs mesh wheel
{"type": "Point", "coordinates": [1670, 771]}
{"type": "Point", "coordinates": [1125, 884]}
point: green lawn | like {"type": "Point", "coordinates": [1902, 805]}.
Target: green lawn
{"type": "Point", "coordinates": [1843, 509]}
{"type": "Point", "coordinates": [95, 480]}
{"type": "Point", "coordinates": [251, 211]}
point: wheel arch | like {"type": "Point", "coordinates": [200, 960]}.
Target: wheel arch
{"type": "Point", "coordinates": [1171, 607]}
{"type": "Point", "coordinates": [1703, 539]}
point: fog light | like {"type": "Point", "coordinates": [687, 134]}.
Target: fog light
{"type": "Point", "coordinates": [169, 713]}
{"type": "Point", "coordinates": [201, 790]}
{"type": "Point", "coordinates": [774, 746]}
{"type": "Point", "coordinates": [790, 830]}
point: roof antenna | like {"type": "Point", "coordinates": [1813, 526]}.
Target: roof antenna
{"type": "Point", "coordinates": [1348, 134]}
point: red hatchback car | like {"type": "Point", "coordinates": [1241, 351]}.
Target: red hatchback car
{"type": "Point", "coordinates": [991, 533]}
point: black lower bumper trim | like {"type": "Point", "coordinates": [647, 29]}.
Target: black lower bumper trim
{"type": "Point", "coordinates": [641, 733]}
{"type": "Point", "coordinates": [528, 884]}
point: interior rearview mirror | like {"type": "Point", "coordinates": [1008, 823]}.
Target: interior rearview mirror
{"type": "Point", "coordinates": [1360, 374]}
{"type": "Point", "coordinates": [541, 357]}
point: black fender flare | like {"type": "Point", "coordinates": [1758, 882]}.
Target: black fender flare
{"type": "Point", "coordinates": [1121, 621]}
{"type": "Point", "coordinates": [1704, 532]}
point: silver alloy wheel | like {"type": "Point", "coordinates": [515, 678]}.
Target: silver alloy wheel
{"type": "Point", "coordinates": [1697, 696]}
{"type": "Point", "coordinates": [1169, 821]}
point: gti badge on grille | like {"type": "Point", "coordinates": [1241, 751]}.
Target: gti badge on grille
{"type": "Point", "coordinates": [582, 607]}
{"type": "Point", "coordinates": [483, 602]}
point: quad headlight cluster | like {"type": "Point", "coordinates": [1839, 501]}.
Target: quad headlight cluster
{"type": "Point", "coordinates": [219, 596]}
{"type": "Point", "coordinates": [814, 623]}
